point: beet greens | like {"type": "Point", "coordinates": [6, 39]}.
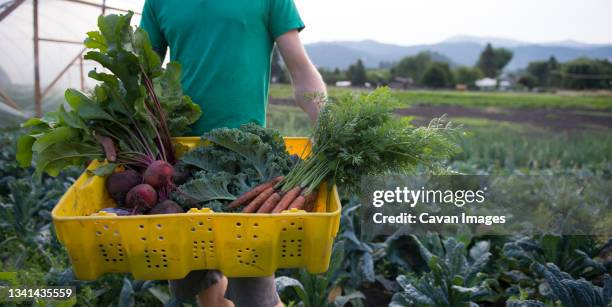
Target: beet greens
{"type": "Point", "coordinates": [129, 117]}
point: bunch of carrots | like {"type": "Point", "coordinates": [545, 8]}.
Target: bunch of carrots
{"type": "Point", "coordinates": [269, 198]}
{"type": "Point", "coordinates": [356, 135]}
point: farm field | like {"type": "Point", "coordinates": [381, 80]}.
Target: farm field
{"type": "Point", "coordinates": [505, 134]}
{"type": "Point", "coordinates": [565, 111]}
{"type": "Point", "coordinates": [565, 99]}
{"type": "Point", "coordinates": [373, 272]}
{"type": "Point", "coordinates": [495, 142]}
{"type": "Point", "coordinates": [463, 158]}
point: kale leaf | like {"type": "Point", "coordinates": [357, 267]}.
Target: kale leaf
{"type": "Point", "coordinates": [234, 161]}
{"type": "Point", "coordinates": [205, 187]}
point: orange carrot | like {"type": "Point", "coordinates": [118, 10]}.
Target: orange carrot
{"type": "Point", "coordinates": [258, 201]}
{"type": "Point", "coordinates": [298, 203]}
{"type": "Point", "coordinates": [269, 204]}
{"type": "Point", "coordinates": [287, 199]}
{"type": "Point", "coordinates": [254, 192]}
{"type": "Point", "coordinates": [311, 200]}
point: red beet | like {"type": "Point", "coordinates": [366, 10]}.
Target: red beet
{"type": "Point", "coordinates": [166, 207]}
{"type": "Point", "coordinates": [159, 174]}
{"type": "Point", "coordinates": [141, 197]}
{"type": "Point", "coordinates": [119, 184]}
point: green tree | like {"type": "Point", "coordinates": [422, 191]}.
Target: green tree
{"type": "Point", "coordinates": [493, 60]}
{"type": "Point", "coordinates": [486, 62]}
{"type": "Point", "coordinates": [539, 71]}
{"type": "Point", "coordinates": [412, 67]}
{"type": "Point", "coordinates": [437, 75]}
{"type": "Point", "coordinates": [528, 81]}
{"type": "Point", "coordinates": [545, 72]}
{"type": "Point", "coordinates": [553, 64]}
{"type": "Point", "coordinates": [467, 75]}
{"type": "Point", "coordinates": [502, 58]}
{"type": "Point", "coordinates": [554, 75]}
{"type": "Point", "coordinates": [331, 76]}
{"type": "Point", "coordinates": [584, 73]}
{"type": "Point", "coordinates": [356, 73]}
{"type": "Point", "coordinates": [378, 77]}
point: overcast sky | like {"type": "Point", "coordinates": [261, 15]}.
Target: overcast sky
{"type": "Point", "coordinates": [404, 22]}
{"type": "Point", "coordinates": [410, 22]}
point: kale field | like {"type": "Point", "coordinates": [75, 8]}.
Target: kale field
{"type": "Point", "coordinates": [572, 136]}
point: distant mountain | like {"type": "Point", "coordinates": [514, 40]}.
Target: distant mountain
{"type": "Point", "coordinates": [338, 55]}
{"type": "Point", "coordinates": [511, 43]}
{"type": "Point", "coordinates": [525, 54]}
{"type": "Point", "coordinates": [483, 40]}
{"type": "Point", "coordinates": [461, 50]}
{"type": "Point", "coordinates": [344, 53]}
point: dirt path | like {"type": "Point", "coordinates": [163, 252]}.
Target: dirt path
{"type": "Point", "coordinates": [553, 118]}
{"type": "Point", "coordinates": [564, 119]}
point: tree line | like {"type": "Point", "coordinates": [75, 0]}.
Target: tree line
{"type": "Point", "coordinates": [579, 74]}
{"type": "Point", "coordinates": [432, 70]}
{"type": "Point", "coordinates": [425, 69]}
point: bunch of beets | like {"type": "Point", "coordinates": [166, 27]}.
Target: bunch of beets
{"type": "Point", "coordinates": [145, 193]}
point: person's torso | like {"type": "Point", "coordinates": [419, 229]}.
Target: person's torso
{"type": "Point", "coordinates": [224, 48]}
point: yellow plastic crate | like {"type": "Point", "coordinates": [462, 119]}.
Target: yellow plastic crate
{"type": "Point", "coordinates": [169, 246]}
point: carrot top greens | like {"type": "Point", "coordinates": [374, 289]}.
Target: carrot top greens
{"type": "Point", "coordinates": [358, 135]}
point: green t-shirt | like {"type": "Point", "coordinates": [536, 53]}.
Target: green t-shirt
{"type": "Point", "coordinates": [225, 49]}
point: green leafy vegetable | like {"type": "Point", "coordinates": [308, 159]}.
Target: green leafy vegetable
{"type": "Point", "coordinates": [234, 161]}
{"type": "Point", "coordinates": [453, 279]}
{"type": "Point", "coordinates": [361, 253]}
{"type": "Point", "coordinates": [315, 290]}
{"type": "Point", "coordinates": [573, 254]}
{"type": "Point", "coordinates": [572, 292]}
{"type": "Point", "coordinates": [358, 135]}
{"type": "Point", "coordinates": [207, 187]}
{"type": "Point", "coordinates": [138, 105]}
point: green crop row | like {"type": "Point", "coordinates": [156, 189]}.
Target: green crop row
{"type": "Point", "coordinates": [586, 100]}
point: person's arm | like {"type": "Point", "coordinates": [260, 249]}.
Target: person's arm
{"type": "Point", "coordinates": [308, 86]}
